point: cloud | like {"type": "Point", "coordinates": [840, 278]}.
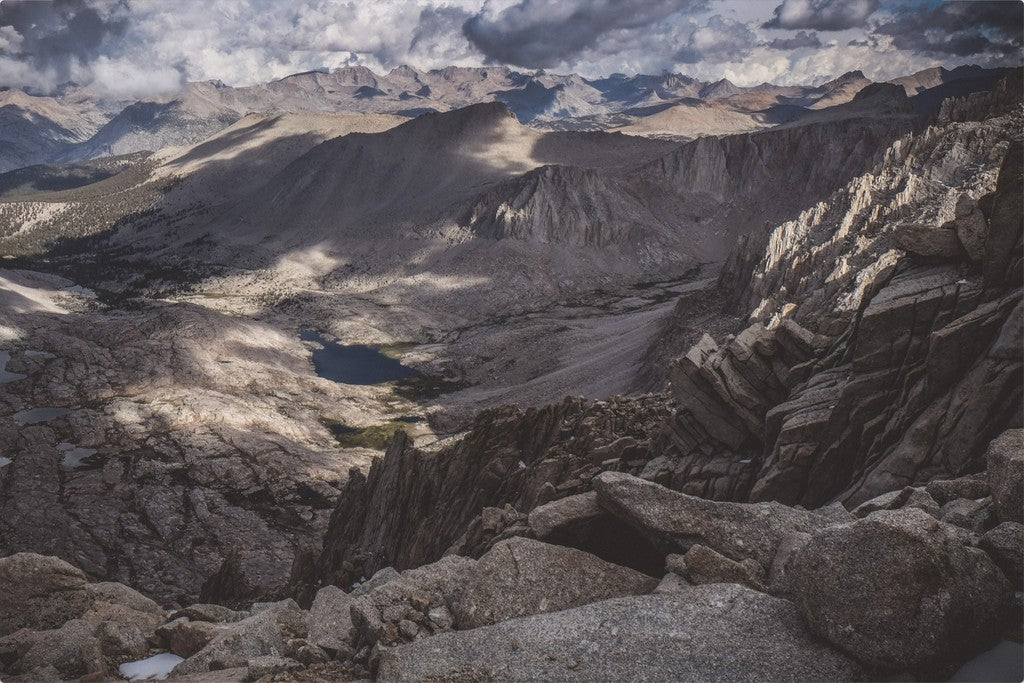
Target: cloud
{"type": "Point", "coordinates": [438, 34]}
{"type": "Point", "coordinates": [822, 15]}
{"type": "Point", "coordinates": [545, 33]}
{"type": "Point", "coordinates": [988, 28]}
{"type": "Point", "coordinates": [146, 48]}
{"type": "Point", "coordinates": [58, 36]}
{"type": "Point", "coordinates": [801, 39]}
{"type": "Point", "coordinates": [720, 40]}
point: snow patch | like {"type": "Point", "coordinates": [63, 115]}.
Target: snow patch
{"type": "Point", "coordinates": [152, 668]}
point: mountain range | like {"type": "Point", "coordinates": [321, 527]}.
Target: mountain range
{"type": "Point", "coordinates": [75, 125]}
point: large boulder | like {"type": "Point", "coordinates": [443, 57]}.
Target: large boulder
{"type": "Point", "coordinates": [703, 565]}
{"type": "Point", "coordinates": [1005, 545]}
{"type": "Point", "coordinates": [53, 620]}
{"type": "Point", "coordinates": [39, 592]}
{"type": "Point", "coordinates": [677, 521]}
{"type": "Point", "coordinates": [520, 577]}
{"type": "Point", "coordinates": [972, 486]}
{"type": "Point", "coordinates": [558, 515]}
{"type": "Point", "coordinates": [704, 633]}
{"type": "Point", "coordinates": [928, 241]}
{"type": "Point", "coordinates": [1005, 458]}
{"type": "Point", "coordinates": [898, 590]}
{"type": "Point", "coordinates": [94, 643]}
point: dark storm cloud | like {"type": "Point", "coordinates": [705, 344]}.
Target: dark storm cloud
{"type": "Point", "coordinates": [959, 29]}
{"type": "Point", "coordinates": [53, 34]}
{"type": "Point", "coordinates": [542, 33]}
{"type": "Point", "coordinates": [801, 39]}
{"type": "Point", "coordinates": [436, 24]}
{"type": "Point", "coordinates": [822, 15]}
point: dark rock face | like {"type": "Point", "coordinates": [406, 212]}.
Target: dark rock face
{"type": "Point", "coordinates": [898, 589]}
{"type": "Point", "coordinates": [719, 632]}
{"type": "Point", "coordinates": [1005, 545]}
{"type": "Point", "coordinates": [921, 369]}
{"type": "Point", "coordinates": [524, 458]}
{"type": "Point", "coordinates": [924, 240]}
{"type": "Point", "coordinates": [519, 577]}
{"type": "Point", "coordinates": [724, 395]}
{"type": "Point", "coordinates": [1005, 457]}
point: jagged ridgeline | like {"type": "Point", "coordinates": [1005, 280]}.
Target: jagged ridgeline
{"type": "Point", "coordinates": [793, 316]}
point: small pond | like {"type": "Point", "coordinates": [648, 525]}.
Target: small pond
{"type": "Point", "coordinates": [6, 376]}
{"type": "Point", "coordinates": [36, 415]}
{"type": "Point", "coordinates": [74, 456]}
{"type": "Point", "coordinates": [4, 462]}
{"type": "Point", "coordinates": [354, 364]}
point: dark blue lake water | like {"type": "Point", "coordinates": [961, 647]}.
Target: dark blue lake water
{"type": "Point", "coordinates": [355, 364]}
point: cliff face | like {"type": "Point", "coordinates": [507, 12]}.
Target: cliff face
{"type": "Point", "coordinates": [703, 194]}
{"type": "Point", "coordinates": [565, 205]}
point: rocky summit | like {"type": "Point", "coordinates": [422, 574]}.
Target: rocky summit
{"type": "Point", "coordinates": [373, 372]}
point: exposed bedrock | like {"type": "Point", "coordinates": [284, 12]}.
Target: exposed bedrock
{"type": "Point", "coordinates": [720, 632]}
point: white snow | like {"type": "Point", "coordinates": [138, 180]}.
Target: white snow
{"type": "Point", "coordinates": [152, 668]}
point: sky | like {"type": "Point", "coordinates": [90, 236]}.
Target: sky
{"type": "Point", "coordinates": [136, 48]}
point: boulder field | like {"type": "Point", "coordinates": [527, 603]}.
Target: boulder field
{"type": "Point", "coordinates": [898, 587]}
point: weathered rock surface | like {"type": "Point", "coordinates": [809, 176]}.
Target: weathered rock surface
{"type": "Point", "coordinates": [907, 497]}
{"type": "Point", "coordinates": [413, 605]}
{"type": "Point", "coordinates": [924, 240]}
{"type": "Point", "coordinates": [676, 521]}
{"type": "Point", "coordinates": [563, 514]}
{"type": "Point", "coordinates": [720, 632]}
{"type": "Point", "coordinates": [898, 590]}
{"type": "Point", "coordinates": [972, 486]}
{"type": "Point", "coordinates": [207, 427]}
{"type": "Point", "coordinates": [330, 616]}
{"type": "Point", "coordinates": [264, 634]}
{"type": "Point", "coordinates": [1005, 545]}
{"type": "Point", "coordinates": [920, 368]}
{"type": "Point", "coordinates": [520, 577]}
{"type": "Point", "coordinates": [52, 619]}
{"type": "Point", "coordinates": [702, 565]}
{"type": "Point", "coordinates": [1005, 457]}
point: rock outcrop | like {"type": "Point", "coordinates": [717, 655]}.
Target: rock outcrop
{"type": "Point", "coordinates": [899, 589]}
{"type": "Point", "coordinates": [522, 458]}
{"type": "Point", "coordinates": [677, 521]}
{"type": "Point", "coordinates": [720, 632]}
{"type": "Point", "coordinates": [1005, 457]}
